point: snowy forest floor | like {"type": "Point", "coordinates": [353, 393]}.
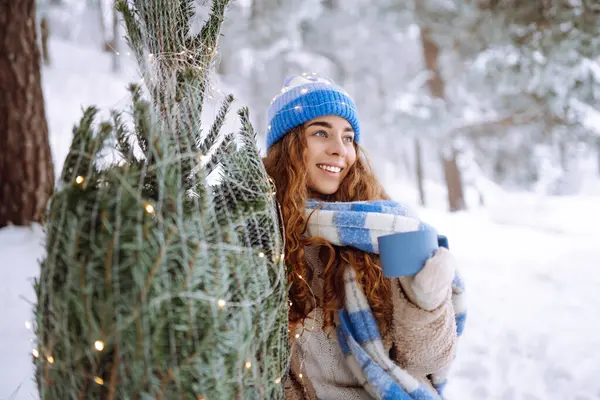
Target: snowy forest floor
{"type": "Point", "coordinates": [530, 264]}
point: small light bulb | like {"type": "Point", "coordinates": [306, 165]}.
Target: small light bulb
{"type": "Point", "coordinates": [50, 359]}
{"type": "Point", "coordinates": [298, 108]}
{"type": "Point", "coordinates": [99, 380]}
{"type": "Point", "coordinates": [117, 53]}
{"type": "Point", "coordinates": [278, 380]}
{"type": "Point", "coordinates": [221, 303]}
{"type": "Point", "coordinates": [202, 158]}
{"type": "Point", "coordinates": [269, 127]}
{"type": "Point", "coordinates": [128, 53]}
{"type": "Point", "coordinates": [282, 256]}
{"type": "Point", "coordinates": [297, 335]}
{"type": "Point", "coordinates": [304, 74]}
{"type": "Point", "coordinates": [261, 254]}
{"type": "Point", "coordinates": [248, 365]}
{"type": "Point", "coordinates": [27, 325]}
{"type": "Point", "coordinates": [99, 345]}
{"type": "Point", "coordinates": [290, 303]}
{"type": "Point", "coordinates": [300, 376]}
{"type": "Point", "coordinates": [35, 353]}
{"type": "Point", "coordinates": [314, 73]}
{"type": "Point", "coordinates": [149, 208]}
{"type": "Point", "coordinates": [79, 180]}
{"type": "Point", "coordinates": [299, 276]}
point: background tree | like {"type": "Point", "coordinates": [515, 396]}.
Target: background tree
{"type": "Point", "coordinates": [26, 172]}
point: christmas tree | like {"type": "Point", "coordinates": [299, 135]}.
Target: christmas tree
{"type": "Point", "coordinates": [159, 282]}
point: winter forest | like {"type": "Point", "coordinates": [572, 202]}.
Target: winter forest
{"type": "Point", "coordinates": [483, 115]}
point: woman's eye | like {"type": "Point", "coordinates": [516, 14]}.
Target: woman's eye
{"type": "Point", "coordinates": [348, 139]}
{"type": "Point", "coordinates": [320, 133]}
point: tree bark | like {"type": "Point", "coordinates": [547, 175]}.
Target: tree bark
{"type": "Point", "coordinates": [455, 190]}
{"type": "Point", "coordinates": [26, 172]}
{"type": "Point", "coordinates": [45, 35]}
{"type": "Point", "coordinates": [598, 154]}
{"type": "Point", "coordinates": [100, 10]}
{"type": "Point", "coordinates": [331, 4]}
{"type": "Point", "coordinates": [419, 170]}
{"type": "Point", "coordinates": [431, 54]}
{"type": "Point", "coordinates": [116, 65]}
{"type": "Point", "coordinates": [437, 89]}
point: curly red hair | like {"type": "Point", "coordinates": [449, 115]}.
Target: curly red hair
{"type": "Point", "coordinates": [285, 164]}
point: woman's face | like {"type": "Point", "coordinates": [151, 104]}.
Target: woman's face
{"type": "Point", "coordinates": [329, 152]}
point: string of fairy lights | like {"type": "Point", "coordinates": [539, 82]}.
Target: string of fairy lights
{"type": "Point", "coordinates": [182, 56]}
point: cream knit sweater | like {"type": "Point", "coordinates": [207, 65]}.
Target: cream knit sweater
{"type": "Point", "coordinates": [419, 341]}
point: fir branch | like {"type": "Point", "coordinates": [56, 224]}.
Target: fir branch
{"type": "Point", "coordinates": [219, 153]}
{"type": "Point", "coordinates": [141, 119]}
{"type": "Point", "coordinates": [212, 136]}
{"type": "Point", "coordinates": [122, 137]}
{"type": "Point", "coordinates": [134, 36]}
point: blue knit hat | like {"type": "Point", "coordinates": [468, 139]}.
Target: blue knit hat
{"type": "Point", "coordinates": [305, 97]}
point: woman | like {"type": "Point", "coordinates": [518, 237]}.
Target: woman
{"type": "Point", "coordinates": [404, 341]}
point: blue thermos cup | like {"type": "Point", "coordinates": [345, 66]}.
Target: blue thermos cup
{"type": "Point", "coordinates": [405, 253]}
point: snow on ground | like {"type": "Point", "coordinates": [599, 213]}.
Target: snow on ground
{"type": "Point", "coordinates": [532, 330]}
{"type": "Point", "coordinates": [20, 249]}
{"type": "Point", "coordinates": [530, 264]}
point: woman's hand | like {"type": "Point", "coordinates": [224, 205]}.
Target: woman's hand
{"type": "Point", "coordinates": [432, 285]}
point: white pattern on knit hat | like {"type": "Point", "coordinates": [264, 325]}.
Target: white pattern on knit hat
{"type": "Point", "coordinates": [304, 98]}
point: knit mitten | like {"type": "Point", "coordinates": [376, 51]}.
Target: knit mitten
{"type": "Point", "coordinates": [431, 286]}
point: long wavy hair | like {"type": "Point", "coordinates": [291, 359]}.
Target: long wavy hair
{"type": "Point", "coordinates": [285, 164]}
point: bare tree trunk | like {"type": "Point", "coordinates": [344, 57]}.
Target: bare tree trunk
{"type": "Point", "coordinates": [419, 170]}
{"type": "Point", "coordinates": [116, 65]}
{"type": "Point", "coordinates": [431, 54]}
{"type": "Point", "coordinates": [26, 172]}
{"type": "Point", "coordinates": [255, 9]}
{"type": "Point", "coordinates": [331, 4]}
{"type": "Point", "coordinates": [100, 10]}
{"type": "Point", "coordinates": [45, 34]}
{"type": "Point", "coordinates": [563, 154]}
{"type": "Point", "coordinates": [455, 191]}
{"type": "Point", "coordinates": [437, 89]}
{"type": "Point", "coordinates": [598, 154]}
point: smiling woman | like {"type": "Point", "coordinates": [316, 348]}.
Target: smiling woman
{"type": "Point", "coordinates": [404, 327]}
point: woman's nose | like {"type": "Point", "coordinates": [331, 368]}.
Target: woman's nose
{"type": "Point", "coordinates": [336, 147]}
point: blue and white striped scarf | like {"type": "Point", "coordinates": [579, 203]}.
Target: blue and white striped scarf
{"type": "Point", "coordinates": [359, 225]}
